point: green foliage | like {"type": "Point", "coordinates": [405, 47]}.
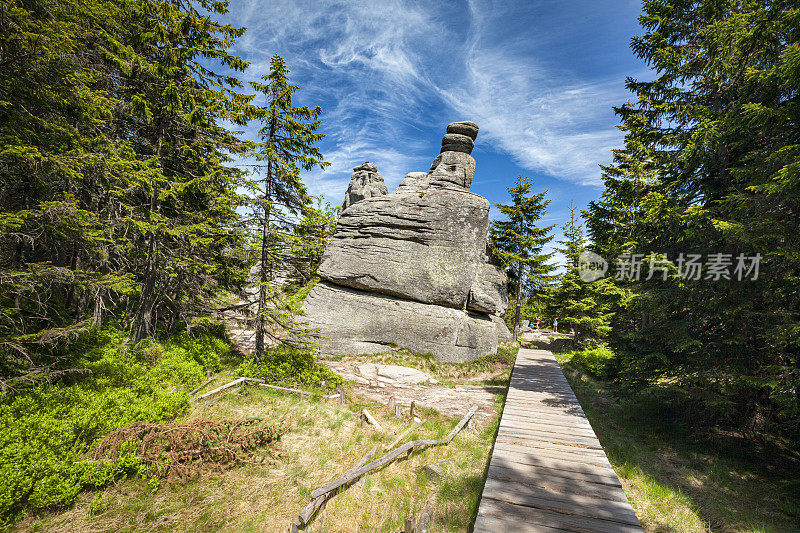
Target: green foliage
{"type": "Point", "coordinates": [710, 166]}
{"type": "Point", "coordinates": [46, 431]}
{"type": "Point", "coordinates": [288, 135]}
{"type": "Point", "coordinates": [287, 365]}
{"type": "Point", "coordinates": [519, 242]}
{"type": "Point", "coordinates": [586, 307]}
{"type": "Point", "coordinates": [115, 189]}
{"type": "Point", "coordinates": [599, 362]}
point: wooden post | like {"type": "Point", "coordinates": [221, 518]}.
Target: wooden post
{"type": "Point", "coordinates": [413, 404]}
{"type": "Point", "coordinates": [390, 404]}
{"type": "Point", "coordinates": [398, 411]}
{"type": "Point", "coordinates": [425, 518]}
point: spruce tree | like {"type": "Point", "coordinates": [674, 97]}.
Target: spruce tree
{"type": "Point", "coordinates": [714, 127]}
{"type": "Point", "coordinates": [519, 242]}
{"type": "Point", "coordinates": [288, 138]}
{"type": "Point", "coordinates": [115, 195]}
{"type": "Point", "coordinates": [584, 306]}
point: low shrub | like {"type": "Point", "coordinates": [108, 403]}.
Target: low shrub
{"type": "Point", "coordinates": [598, 362]}
{"type": "Point", "coordinates": [46, 431]}
{"type": "Point", "coordinates": [289, 365]}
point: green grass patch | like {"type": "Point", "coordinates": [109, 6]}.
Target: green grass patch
{"type": "Point", "coordinates": [290, 366]}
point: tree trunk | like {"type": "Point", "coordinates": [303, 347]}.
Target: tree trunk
{"type": "Point", "coordinates": [264, 270]}
{"type": "Point", "coordinates": [265, 264]}
{"type": "Point", "coordinates": [518, 309]}
{"type": "Point", "coordinates": [143, 318]}
{"type": "Point", "coordinates": [99, 308]}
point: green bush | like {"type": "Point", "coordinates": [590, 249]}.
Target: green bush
{"type": "Point", "coordinates": [598, 362]}
{"type": "Point", "coordinates": [46, 431]}
{"type": "Point", "coordinates": [290, 365]}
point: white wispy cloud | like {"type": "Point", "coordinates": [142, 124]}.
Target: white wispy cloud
{"type": "Point", "coordinates": [390, 72]}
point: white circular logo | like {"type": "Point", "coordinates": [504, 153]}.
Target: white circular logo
{"type": "Point", "coordinates": [591, 266]}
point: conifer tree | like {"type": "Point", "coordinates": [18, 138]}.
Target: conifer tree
{"type": "Point", "coordinates": [114, 189]}
{"type": "Point", "coordinates": [713, 125]}
{"type": "Point", "coordinates": [519, 241]}
{"type": "Point", "coordinates": [288, 138]}
{"type": "Point", "coordinates": [584, 306]}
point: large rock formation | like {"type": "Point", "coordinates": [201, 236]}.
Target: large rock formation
{"type": "Point", "coordinates": [412, 268]}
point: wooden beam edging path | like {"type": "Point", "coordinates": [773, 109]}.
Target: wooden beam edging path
{"type": "Point", "coordinates": [548, 472]}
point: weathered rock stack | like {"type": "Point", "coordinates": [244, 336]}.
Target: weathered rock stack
{"type": "Point", "coordinates": [365, 182]}
{"type": "Point", "coordinates": [412, 268]}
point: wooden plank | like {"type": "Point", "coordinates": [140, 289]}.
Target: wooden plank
{"type": "Point", "coordinates": [538, 429]}
{"type": "Point", "coordinates": [558, 480]}
{"type": "Point", "coordinates": [535, 454]}
{"type": "Point", "coordinates": [550, 436]}
{"type": "Point", "coordinates": [523, 422]}
{"type": "Point", "coordinates": [494, 524]}
{"type": "Point", "coordinates": [543, 416]}
{"type": "Point", "coordinates": [566, 504]}
{"type": "Point", "coordinates": [506, 457]}
{"type": "Point", "coordinates": [548, 471]}
{"type": "Point", "coordinates": [530, 442]}
{"type": "Point", "coordinates": [565, 432]}
{"type": "Point", "coordinates": [527, 519]}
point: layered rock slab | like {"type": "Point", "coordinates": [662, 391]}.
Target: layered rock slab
{"type": "Point", "coordinates": [357, 322]}
{"type": "Point", "coordinates": [423, 246]}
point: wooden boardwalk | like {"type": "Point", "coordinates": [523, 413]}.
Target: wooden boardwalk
{"type": "Point", "coordinates": [548, 471]}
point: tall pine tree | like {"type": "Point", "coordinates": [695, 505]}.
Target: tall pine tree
{"type": "Point", "coordinates": [716, 128]}
{"type": "Point", "coordinates": [115, 194]}
{"type": "Point", "coordinates": [584, 306]}
{"type": "Point", "coordinates": [288, 139]}
{"type": "Point", "coordinates": [519, 241]}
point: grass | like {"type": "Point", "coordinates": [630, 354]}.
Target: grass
{"type": "Point", "coordinates": [684, 480]}
{"type": "Point", "coordinates": [323, 440]}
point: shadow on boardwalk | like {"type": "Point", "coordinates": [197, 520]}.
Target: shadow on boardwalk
{"type": "Point", "coordinates": [548, 471]}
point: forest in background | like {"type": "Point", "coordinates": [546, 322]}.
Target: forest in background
{"type": "Point", "coordinates": [124, 222]}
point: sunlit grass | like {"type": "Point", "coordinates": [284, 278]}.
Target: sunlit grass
{"type": "Point", "coordinates": [322, 441]}
{"type": "Point", "coordinates": [682, 480]}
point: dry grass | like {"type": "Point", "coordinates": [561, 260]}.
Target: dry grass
{"type": "Point", "coordinates": [322, 441]}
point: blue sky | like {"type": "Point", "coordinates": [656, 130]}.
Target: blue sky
{"type": "Point", "coordinates": [540, 79]}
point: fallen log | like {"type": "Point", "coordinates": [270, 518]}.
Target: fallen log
{"type": "Point", "coordinates": [396, 441]}
{"type": "Point", "coordinates": [222, 388]}
{"type": "Point", "coordinates": [425, 518]}
{"type": "Point", "coordinates": [217, 397]}
{"type": "Point", "coordinates": [371, 419]}
{"type": "Point", "coordinates": [311, 509]}
{"type": "Point", "coordinates": [203, 384]}
{"type": "Point", "coordinates": [297, 391]}
{"type": "Point", "coordinates": [260, 383]}
{"type": "Point", "coordinates": [394, 454]}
